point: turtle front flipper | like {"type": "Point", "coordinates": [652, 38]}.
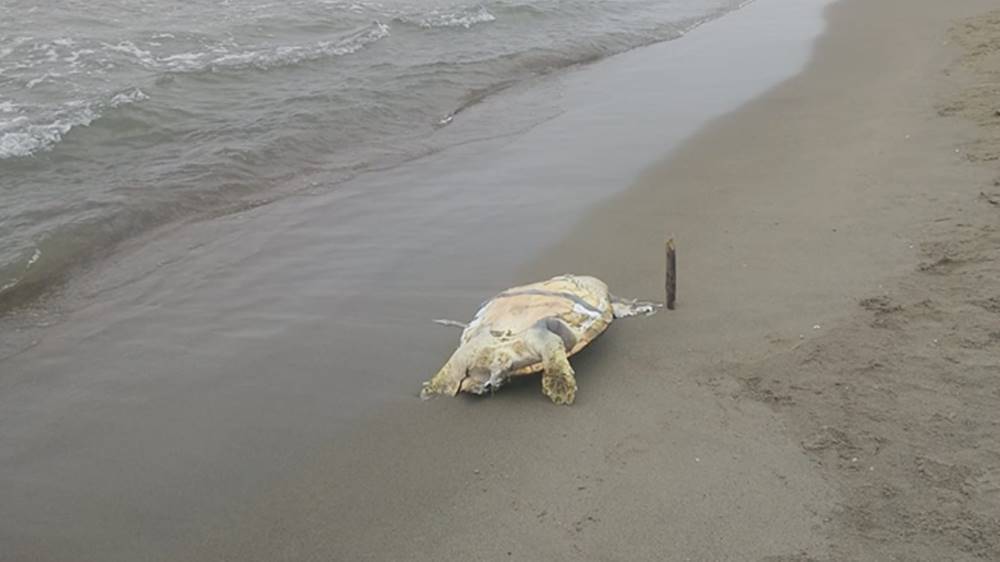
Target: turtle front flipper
{"type": "Point", "coordinates": [447, 381]}
{"type": "Point", "coordinates": [558, 382]}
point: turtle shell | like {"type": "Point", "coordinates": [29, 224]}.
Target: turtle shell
{"type": "Point", "coordinates": [582, 303]}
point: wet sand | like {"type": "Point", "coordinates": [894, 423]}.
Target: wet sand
{"type": "Point", "coordinates": [826, 390]}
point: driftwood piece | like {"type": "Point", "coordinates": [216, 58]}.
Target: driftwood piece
{"type": "Point", "coordinates": [671, 280]}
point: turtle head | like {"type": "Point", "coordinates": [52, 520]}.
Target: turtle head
{"type": "Point", "coordinates": [478, 366]}
{"type": "Point", "coordinates": [488, 370]}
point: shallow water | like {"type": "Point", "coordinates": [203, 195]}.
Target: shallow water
{"type": "Point", "coordinates": [118, 116]}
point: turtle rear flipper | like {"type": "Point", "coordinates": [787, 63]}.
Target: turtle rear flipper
{"type": "Point", "coordinates": [624, 308]}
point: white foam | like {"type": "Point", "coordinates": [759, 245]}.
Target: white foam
{"type": "Point", "coordinates": [51, 54]}
{"type": "Point", "coordinates": [36, 81]}
{"type": "Point", "coordinates": [465, 19]}
{"type": "Point", "coordinates": [183, 59]}
{"type": "Point", "coordinates": [133, 95]}
{"type": "Point", "coordinates": [15, 122]}
{"type": "Point", "coordinates": [33, 138]}
{"type": "Point", "coordinates": [220, 57]}
{"type": "Point", "coordinates": [22, 138]}
{"type": "Point", "coordinates": [130, 48]}
{"type": "Point", "coordinates": [75, 55]}
{"type": "Point", "coordinates": [293, 54]}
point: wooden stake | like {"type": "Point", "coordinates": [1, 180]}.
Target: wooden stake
{"type": "Point", "coordinates": [671, 281]}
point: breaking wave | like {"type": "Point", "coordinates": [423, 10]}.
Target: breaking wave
{"type": "Point", "coordinates": [21, 136]}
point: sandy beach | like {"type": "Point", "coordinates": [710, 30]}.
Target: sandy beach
{"type": "Point", "coordinates": [849, 288]}
{"type": "Point", "coordinates": [828, 388]}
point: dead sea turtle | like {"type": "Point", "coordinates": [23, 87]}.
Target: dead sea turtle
{"type": "Point", "coordinates": [528, 329]}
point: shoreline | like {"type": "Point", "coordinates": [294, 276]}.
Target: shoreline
{"type": "Point", "coordinates": [724, 430]}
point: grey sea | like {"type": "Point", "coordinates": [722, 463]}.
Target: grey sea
{"type": "Point", "coordinates": [119, 116]}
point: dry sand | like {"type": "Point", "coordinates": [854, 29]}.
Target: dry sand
{"type": "Point", "coordinates": [828, 388]}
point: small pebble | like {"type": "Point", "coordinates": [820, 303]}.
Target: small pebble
{"type": "Point", "coordinates": [816, 326]}
{"type": "Point", "coordinates": [855, 459]}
